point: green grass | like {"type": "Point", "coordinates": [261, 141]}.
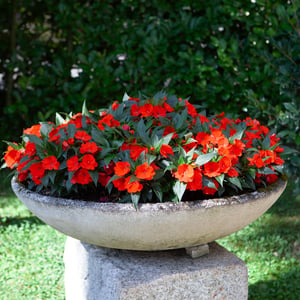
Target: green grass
{"type": "Point", "coordinates": [31, 253]}
{"type": "Point", "coordinates": [270, 247]}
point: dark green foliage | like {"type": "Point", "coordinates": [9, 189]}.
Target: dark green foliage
{"type": "Point", "coordinates": [236, 56]}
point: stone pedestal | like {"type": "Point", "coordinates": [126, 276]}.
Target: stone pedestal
{"type": "Point", "coordinates": [96, 273]}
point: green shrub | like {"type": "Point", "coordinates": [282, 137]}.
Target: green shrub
{"type": "Point", "coordinates": [236, 56]}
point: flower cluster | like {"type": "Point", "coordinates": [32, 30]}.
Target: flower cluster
{"type": "Point", "coordinates": [146, 150]}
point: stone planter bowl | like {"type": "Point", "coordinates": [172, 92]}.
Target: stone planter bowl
{"type": "Point", "coordinates": [158, 226]}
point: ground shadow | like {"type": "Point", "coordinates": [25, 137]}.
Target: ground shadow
{"type": "Point", "coordinates": [283, 287]}
{"type": "Point", "coordinates": [19, 221]}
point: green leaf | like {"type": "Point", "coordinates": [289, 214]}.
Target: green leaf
{"type": "Point", "coordinates": [239, 134]}
{"type": "Point", "coordinates": [95, 176]}
{"type": "Point", "coordinates": [35, 139]}
{"type": "Point", "coordinates": [71, 130]}
{"type": "Point", "coordinates": [179, 189]}
{"type": "Point", "coordinates": [142, 132]}
{"type": "Point", "coordinates": [235, 181]}
{"type": "Point", "coordinates": [266, 142]}
{"type": "Point", "coordinates": [52, 175]}
{"type": "Point", "coordinates": [59, 120]}
{"type": "Point", "coordinates": [45, 180]}
{"type": "Point", "coordinates": [158, 192]}
{"type": "Point", "coordinates": [85, 111]}
{"type": "Point", "coordinates": [205, 158]}
{"type": "Point", "coordinates": [220, 179]}
{"type": "Point", "coordinates": [125, 97]}
{"type": "Point", "coordinates": [135, 199]}
{"type": "Point", "coordinates": [45, 129]}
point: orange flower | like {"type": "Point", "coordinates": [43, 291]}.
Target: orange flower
{"type": "Point", "coordinates": [144, 171]}
{"type": "Point", "coordinates": [134, 187]}
{"type": "Point", "coordinates": [225, 164]}
{"type": "Point", "coordinates": [12, 157]}
{"type": "Point", "coordinates": [122, 168]}
{"type": "Point", "coordinates": [35, 130]}
{"type": "Point", "coordinates": [185, 173]}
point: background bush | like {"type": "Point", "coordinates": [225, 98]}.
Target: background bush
{"type": "Point", "coordinates": [240, 57]}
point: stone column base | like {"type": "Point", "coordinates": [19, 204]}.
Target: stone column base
{"type": "Point", "coordinates": [96, 273]}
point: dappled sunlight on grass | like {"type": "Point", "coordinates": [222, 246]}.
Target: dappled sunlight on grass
{"type": "Point", "coordinates": [270, 248]}
{"type": "Point", "coordinates": [30, 253]}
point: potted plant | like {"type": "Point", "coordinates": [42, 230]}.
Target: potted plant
{"type": "Point", "coordinates": [147, 173]}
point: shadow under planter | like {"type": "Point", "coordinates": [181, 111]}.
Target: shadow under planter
{"type": "Point", "coordinates": [96, 273]}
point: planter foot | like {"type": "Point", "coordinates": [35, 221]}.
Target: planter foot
{"type": "Point", "coordinates": [197, 251]}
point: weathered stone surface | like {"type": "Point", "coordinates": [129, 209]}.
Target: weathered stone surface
{"type": "Point", "coordinates": [197, 251]}
{"type": "Point", "coordinates": [96, 273]}
{"type": "Point", "coordinates": [153, 226]}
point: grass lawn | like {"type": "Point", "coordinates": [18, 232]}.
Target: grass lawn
{"type": "Point", "coordinates": [31, 253]}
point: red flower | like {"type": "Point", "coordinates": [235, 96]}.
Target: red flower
{"type": "Point", "coordinates": [109, 121]}
{"type": "Point", "coordinates": [23, 175]}
{"type": "Point", "coordinates": [209, 190]}
{"type": "Point", "coordinates": [271, 178]}
{"type": "Point", "coordinates": [103, 179]}
{"type": "Point", "coordinates": [30, 149]}
{"type": "Point", "coordinates": [233, 173]}
{"type": "Point", "coordinates": [203, 138]}
{"type": "Point", "coordinates": [159, 111]}
{"type": "Point", "coordinates": [73, 164]}
{"type": "Point", "coordinates": [212, 169]}
{"type": "Point", "coordinates": [89, 147]}
{"type": "Point", "coordinates": [81, 176]}
{"type": "Point", "coordinates": [109, 169]}
{"type": "Point", "coordinates": [120, 183]}
{"type": "Point", "coordinates": [134, 110]}
{"type": "Point", "coordinates": [115, 105]}
{"type": "Point", "coordinates": [146, 110]}
{"type": "Point", "coordinates": [196, 184]}
{"type": "Point", "coordinates": [50, 163]}
{"type": "Point", "coordinates": [71, 141]}
{"type": "Point", "coordinates": [83, 136]}
{"type": "Point", "coordinates": [37, 170]}
{"type": "Point", "coordinates": [169, 130]}
{"type": "Point", "coordinates": [136, 150]}
{"type": "Point", "coordinates": [122, 168]}
{"type": "Point", "coordinates": [144, 171]}
{"type": "Point", "coordinates": [191, 109]}
{"type": "Point", "coordinates": [184, 173]}
{"type": "Point", "coordinates": [165, 150]}
{"type": "Point", "coordinates": [167, 107]}
{"type": "Point", "coordinates": [88, 162]}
